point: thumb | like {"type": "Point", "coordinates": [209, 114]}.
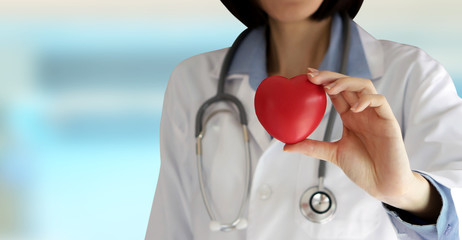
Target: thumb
{"type": "Point", "coordinates": [313, 148]}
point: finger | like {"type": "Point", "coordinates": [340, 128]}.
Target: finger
{"type": "Point", "coordinates": [336, 82]}
{"type": "Point", "coordinates": [338, 100]}
{"type": "Point", "coordinates": [351, 84]}
{"type": "Point", "coordinates": [350, 97]}
{"type": "Point", "coordinates": [343, 90]}
{"type": "Point", "coordinates": [323, 77]}
{"type": "Point", "coordinates": [376, 101]}
{"type": "Point", "coordinates": [340, 104]}
{"type": "Point", "coordinates": [313, 148]}
{"type": "Point", "coordinates": [343, 101]}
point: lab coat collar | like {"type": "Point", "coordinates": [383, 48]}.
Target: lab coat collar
{"type": "Point", "coordinates": [357, 65]}
{"type": "Point", "coordinates": [374, 53]}
{"type": "Point", "coordinates": [250, 57]}
{"type": "Point", "coordinates": [246, 58]}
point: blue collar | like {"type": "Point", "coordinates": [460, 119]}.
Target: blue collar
{"type": "Point", "coordinates": [250, 57]}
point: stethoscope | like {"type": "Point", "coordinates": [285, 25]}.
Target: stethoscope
{"type": "Point", "coordinates": [317, 203]}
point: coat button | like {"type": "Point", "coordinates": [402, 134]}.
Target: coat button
{"type": "Point", "coordinates": [264, 191]}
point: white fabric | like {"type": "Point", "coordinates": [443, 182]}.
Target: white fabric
{"type": "Point", "coordinates": [423, 99]}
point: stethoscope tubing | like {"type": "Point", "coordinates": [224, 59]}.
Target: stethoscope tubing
{"type": "Point", "coordinates": [221, 96]}
{"type": "Point", "coordinates": [343, 69]}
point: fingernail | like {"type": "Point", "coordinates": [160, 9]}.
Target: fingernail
{"type": "Point", "coordinates": [330, 85]}
{"type": "Point", "coordinates": [313, 74]}
{"type": "Point", "coordinates": [312, 70]}
{"type": "Point", "coordinates": [353, 108]}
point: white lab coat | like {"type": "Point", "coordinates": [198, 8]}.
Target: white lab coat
{"type": "Point", "coordinates": [423, 99]}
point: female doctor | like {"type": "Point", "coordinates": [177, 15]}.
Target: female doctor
{"type": "Point", "coordinates": [394, 154]}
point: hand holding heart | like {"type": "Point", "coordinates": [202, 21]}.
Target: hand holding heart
{"type": "Point", "coordinates": [371, 150]}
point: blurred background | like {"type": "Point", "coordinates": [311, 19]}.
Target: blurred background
{"type": "Point", "coordinates": [81, 90]}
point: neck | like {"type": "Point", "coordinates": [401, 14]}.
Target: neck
{"type": "Point", "coordinates": [295, 46]}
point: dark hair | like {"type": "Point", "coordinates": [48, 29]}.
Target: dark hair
{"type": "Point", "coordinates": [251, 15]}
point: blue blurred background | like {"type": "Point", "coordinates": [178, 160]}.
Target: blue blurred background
{"type": "Point", "coordinates": [81, 89]}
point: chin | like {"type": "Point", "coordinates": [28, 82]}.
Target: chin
{"type": "Point", "coordinates": [290, 11]}
{"type": "Point", "coordinates": [291, 17]}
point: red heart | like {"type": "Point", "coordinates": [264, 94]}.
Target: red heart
{"type": "Point", "coordinates": [290, 109]}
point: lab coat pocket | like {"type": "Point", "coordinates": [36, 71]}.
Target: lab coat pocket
{"type": "Point", "coordinates": [357, 216]}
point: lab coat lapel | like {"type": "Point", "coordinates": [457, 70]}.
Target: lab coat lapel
{"type": "Point", "coordinates": [374, 54]}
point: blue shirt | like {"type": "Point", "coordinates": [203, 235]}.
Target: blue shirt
{"type": "Point", "coordinates": [250, 59]}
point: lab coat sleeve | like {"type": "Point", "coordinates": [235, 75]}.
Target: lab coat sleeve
{"type": "Point", "coordinates": [446, 227]}
{"type": "Point", "coordinates": [433, 139]}
{"type": "Point", "coordinates": [170, 217]}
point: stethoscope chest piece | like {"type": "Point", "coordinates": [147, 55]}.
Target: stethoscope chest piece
{"type": "Point", "coordinates": [318, 205]}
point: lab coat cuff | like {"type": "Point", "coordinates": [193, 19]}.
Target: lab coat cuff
{"type": "Point", "coordinates": [409, 226]}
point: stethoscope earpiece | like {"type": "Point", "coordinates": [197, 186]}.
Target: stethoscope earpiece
{"type": "Point", "coordinates": [214, 226]}
{"type": "Point", "coordinates": [242, 224]}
